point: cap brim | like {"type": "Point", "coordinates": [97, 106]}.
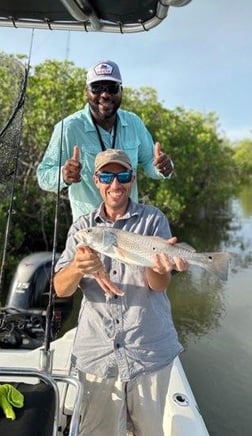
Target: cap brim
{"type": "Point", "coordinates": [104, 78]}
{"type": "Point", "coordinates": [124, 164]}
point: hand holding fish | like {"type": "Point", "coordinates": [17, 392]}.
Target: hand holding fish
{"type": "Point", "coordinates": [159, 276]}
{"type": "Point", "coordinates": [164, 263]}
{"type": "Point", "coordinates": [85, 261]}
{"type": "Point", "coordinates": [88, 262]}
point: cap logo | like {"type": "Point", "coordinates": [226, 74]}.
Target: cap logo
{"type": "Point", "coordinates": [103, 69]}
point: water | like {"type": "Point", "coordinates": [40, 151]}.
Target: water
{"type": "Point", "coordinates": [214, 321]}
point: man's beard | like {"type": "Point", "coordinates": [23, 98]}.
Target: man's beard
{"type": "Point", "coordinates": [106, 116]}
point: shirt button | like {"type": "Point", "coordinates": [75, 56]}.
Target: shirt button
{"type": "Point", "coordinates": [117, 321]}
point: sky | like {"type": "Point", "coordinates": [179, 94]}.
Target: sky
{"type": "Point", "coordinates": [199, 58]}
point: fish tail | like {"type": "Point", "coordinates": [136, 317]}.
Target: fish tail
{"type": "Point", "coordinates": [218, 264]}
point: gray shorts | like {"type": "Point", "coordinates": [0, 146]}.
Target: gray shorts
{"type": "Point", "coordinates": [112, 407]}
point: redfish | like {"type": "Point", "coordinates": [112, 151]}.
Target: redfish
{"type": "Point", "coordinates": [135, 249]}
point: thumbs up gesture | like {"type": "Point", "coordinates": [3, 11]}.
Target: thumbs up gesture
{"type": "Point", "coordinates": [72, 167]}
{"type": "Point", "coordinates": [162, 161]}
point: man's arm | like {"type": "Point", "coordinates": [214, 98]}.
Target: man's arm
{"type": "Point", "coordinates": [48, 169]}
{"type": "Point", "coordinates": [157, 282]}
{"type": "Point", "coordinates": [85, 261]}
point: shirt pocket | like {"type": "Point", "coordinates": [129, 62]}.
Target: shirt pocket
{"type": "Point", "coordinates": [88, 154]}
{"type": "Point", "coordinates": [131, 150]}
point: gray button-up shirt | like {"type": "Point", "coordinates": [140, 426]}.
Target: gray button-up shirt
{"type": "Point", "coordinates": [131, 334]}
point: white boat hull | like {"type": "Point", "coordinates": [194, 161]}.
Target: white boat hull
{"type": "Point", "coordinates": [182, 416]}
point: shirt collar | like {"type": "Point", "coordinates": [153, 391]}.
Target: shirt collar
{"type": "Point", "coordinates": [90, 125]}
{"type": "Point", "coordinates": [131, 211]}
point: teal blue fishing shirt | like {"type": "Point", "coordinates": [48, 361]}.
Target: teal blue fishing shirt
{"type": "Point", "coordinates": [79, 129]}
{"type": "Point", "coordinates": [130, 334]}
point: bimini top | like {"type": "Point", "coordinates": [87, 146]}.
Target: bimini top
{"type": "Point", "coordinates": [115, 16]}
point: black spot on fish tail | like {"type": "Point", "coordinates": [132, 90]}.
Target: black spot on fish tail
{"type": "Point", "coordinates": [218, 264]}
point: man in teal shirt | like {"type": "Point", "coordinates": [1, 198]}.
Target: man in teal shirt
{"type": "Point", "coordinates": [97, 127]}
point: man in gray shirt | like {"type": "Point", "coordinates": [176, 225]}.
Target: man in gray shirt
{"type": "Point", "coordinates": [125, 344]}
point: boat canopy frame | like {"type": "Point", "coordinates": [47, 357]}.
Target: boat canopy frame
{"type": "Point", "coordinates": [115, 16]}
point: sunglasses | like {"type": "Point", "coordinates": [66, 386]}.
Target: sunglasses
{"type": "Point", "coordinates": [113, 88]}
{"type": "Point", "coordinates": [122, 177]}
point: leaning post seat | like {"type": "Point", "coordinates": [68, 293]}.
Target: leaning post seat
{"type": "Point", "coordinates": [43, 413]}
{"type": "Point", "coordinates": [36, 417]}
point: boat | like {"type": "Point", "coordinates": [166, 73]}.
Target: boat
{"type": "Point", "coordinates": [35, 353]}
{"type": "Point", "coordinates": [24, 357]}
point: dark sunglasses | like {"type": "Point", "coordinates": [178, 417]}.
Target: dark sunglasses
{"type": "Point", "coordinates": [122, 177]}
{"type": "Point", "coordinates": [113, 88]}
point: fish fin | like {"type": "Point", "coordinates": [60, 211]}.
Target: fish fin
{"type": "Point", "coordinates": [185, 246]}
{"type": "Point", "coordinates": [109, 239]}
{"type": "Point", "coordinates": [218, 264]}
{"type": "Point", "coordinates": [78, 237]}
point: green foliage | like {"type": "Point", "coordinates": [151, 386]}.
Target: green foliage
{"type": "Point", "coordinates": [203, 179]}
{"type": "Point", "coordinates": [242, 158]}
{"type": "Point", "coordinates": [55, 89]}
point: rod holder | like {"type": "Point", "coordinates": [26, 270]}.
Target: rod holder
{"type": "Point", "coordinates": [46, 360]}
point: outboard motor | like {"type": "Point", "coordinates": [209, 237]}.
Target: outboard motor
{"type": "Point", "coordinates": [23, 319]}
{"type": "Point", "coordinates": [31, 283]}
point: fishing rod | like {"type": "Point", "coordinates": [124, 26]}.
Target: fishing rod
{"type": "Point", "coordinates": [50, 306]}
